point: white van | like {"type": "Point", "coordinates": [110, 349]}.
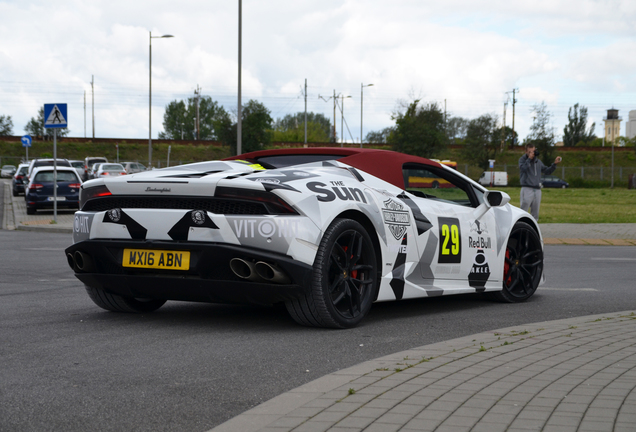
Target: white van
{"type": "Point", "coordinates": [496, 178]}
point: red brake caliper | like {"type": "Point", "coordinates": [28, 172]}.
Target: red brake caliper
{"type": "Point", "coordinates": [354, 273]}
{"type": "Point", "coordinates": [507, 279]}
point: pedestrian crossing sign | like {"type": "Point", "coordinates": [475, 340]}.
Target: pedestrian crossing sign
{"type": "Point", "coordinates": [55, 116]}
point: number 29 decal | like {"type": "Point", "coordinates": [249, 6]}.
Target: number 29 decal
{"type": "Point", "coordinates": [450, 246]}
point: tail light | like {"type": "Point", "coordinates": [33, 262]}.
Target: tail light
{"type": "Point", "coordinates": [75, 185]}
{"type": "Point", "coordinates": [36, 186]}
{"type": "Point", "coordinates": [122, 173]}
{"type": "Point", "coordinates": [274, 204]}
{"type": "Point", "coordinates": [92, 192]}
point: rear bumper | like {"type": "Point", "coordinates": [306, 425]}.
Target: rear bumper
{"type": "Point", "coordinates": [209, 278]}
{"type": "Point", "coordinates": [35, 201]}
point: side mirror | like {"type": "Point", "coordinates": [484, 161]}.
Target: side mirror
{"type": "Point", "coordinates": [491, 199]}
{"type": "Point", "coordinates": [496, 198]}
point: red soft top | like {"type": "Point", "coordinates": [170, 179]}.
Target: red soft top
{"type": "Point", "coordinates": [384, 164]}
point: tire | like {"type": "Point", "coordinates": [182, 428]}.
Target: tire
{"type": "Point", "coordinates": [523, 265]}
{"type": "Point", "coordinates": [116, 303]}
{"type": "Point", "coordinates": [344, 282]}
{"type": "Point", "coordinates": [15, 192]}
{"type": "Point", "coordinates": [30, 210]}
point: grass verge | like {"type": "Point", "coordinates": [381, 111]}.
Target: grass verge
{"type": "Point", "coordinates": [583, 205]}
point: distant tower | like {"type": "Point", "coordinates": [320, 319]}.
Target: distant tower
{"type": "Point", "coordinates": [630, 126]}
{"type": "Point", "coordinates": [612, 125]}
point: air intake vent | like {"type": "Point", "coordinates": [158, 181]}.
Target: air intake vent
{"type": "Point", "coordinates": [213, 205]}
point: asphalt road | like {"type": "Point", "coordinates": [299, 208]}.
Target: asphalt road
{"type": "Point", "coordinates": [68, 365]}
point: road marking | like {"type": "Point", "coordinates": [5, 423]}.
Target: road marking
{"type": "Point", "coordinates": [613, 259]}
{"type": "Point", "coordinates": [567, 289]}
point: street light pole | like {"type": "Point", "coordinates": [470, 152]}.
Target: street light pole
{"type": "Point", "coordinates": [362, 86]}
{"type": "Point", "coordinates": [150, 95]}
{"type": "Point", "coordinates": [342, 97]}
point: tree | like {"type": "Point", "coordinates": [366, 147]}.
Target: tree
{"type": "Point", "coordinates": [509, 136]}
{"type": "Point", "coordinates": [379, 137]}
{"type": "Point", "coordinates": [6, 125]}
{"type": "Point", "coordinates": [291, 128]}
{"type": "Point", "coordinates": [179, 120]}
{"type": "Point", "coordinates": [456, 128]}
{"type": "Point", "coordinates": [419, 130]}
{"type": "Point", "coordinates": [541, 133]}
{"type": "Point", "coordinates": [576, 129]}
{"type": "Point", "coordinates": [483, 140]}
{"type": "Point", "coordinates": [256, 127]}
{"type": "Point", "coordinates": [36, 127]}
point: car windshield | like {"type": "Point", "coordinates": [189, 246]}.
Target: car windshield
{"type": "Point", "coordinates": [62, 176]}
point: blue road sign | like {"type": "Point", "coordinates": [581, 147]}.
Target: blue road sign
{"type": "Point", "coordinates": [55, 116]}
{"type": "Point", "coordinates": [26, 141]}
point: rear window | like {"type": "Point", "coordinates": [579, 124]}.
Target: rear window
{"type": "Point", "coordinates": [79, 164]}
{"type": "Point", "coordinates": [50, 163]}
{"type": "Point", "coordinates": [62, 176]}
{"type": "Point", "coordinates": [23, 170]}
{"type": "Point", "coordinates": [111, 167]}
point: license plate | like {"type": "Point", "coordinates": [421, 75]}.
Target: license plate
{"type": "Point", "coordinates": [58, 198]}
{"type": "Point", "coordinates": [156, 259]}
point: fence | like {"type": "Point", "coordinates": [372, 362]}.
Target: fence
{"type": "Point", "coordinates": [566, 173]}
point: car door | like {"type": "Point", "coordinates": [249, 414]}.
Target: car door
{"type": "Point", "coordinates": [460, 251]}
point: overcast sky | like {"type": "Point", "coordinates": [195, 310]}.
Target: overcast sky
{"type": "Point", "coordinates": [466, 55]}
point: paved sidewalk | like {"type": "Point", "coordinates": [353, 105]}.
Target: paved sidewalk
{"type": "Point", "coordinates": [623, 234]}
{"type": "Point", "coordinates": [576, 374]}
{"type": "Point", "coordinates": [15, 216]}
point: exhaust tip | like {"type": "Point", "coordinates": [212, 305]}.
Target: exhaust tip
{"type": "Point", "coordinates": [271, 273]}
{"type": "Point", "coordinates": [243, 269]}
{"type": "Point", "coordinates": [83, 262]}
{"type": "Point", "coordinates": [70, 260]}
{"type": "Point", "coordinates": [79, 260]}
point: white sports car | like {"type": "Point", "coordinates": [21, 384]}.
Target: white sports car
{"type": "Point", "coordinates": [326, 231]}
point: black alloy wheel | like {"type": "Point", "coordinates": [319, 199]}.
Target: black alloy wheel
{"type": "Point", "coordinates": [523, 265]}
{"type": "Point", "coordinates": [345, 280]}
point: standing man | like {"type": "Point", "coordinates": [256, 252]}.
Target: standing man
{"type": "Point", "coordinates": [530, 169]}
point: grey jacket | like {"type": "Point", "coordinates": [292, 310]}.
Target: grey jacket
{"type": "Point", "coordinates": [530, 171]}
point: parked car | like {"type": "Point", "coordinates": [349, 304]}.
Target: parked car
{"type": "Point", "coordinates": [88, 164]}
{"type": "Point", "coordinates": [79, 167]}
{"type": "Point", "coordinates": [39, 192]}
{"type": "Point", "coordinates": [133, 167]}
{"type": "Point", "coordinates": [325, 231]}
{"type": "Point", "coordinates": [109, 170]}
{"type": "Point", "coordinates": [19, 179]}
{"type": "Point", "coordinates": [496, 178]}
{"type": "Point", "coordinates": [35, 163]}
{"type": "Point", "coordinates": [93, 170]}
{"type": "Point", "coordinates": [549, 181]}
{"type": "Point", "coordinates": [7, 171]}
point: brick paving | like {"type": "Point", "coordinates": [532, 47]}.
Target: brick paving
{"type": "Point", "coordinates": [577, 374]}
